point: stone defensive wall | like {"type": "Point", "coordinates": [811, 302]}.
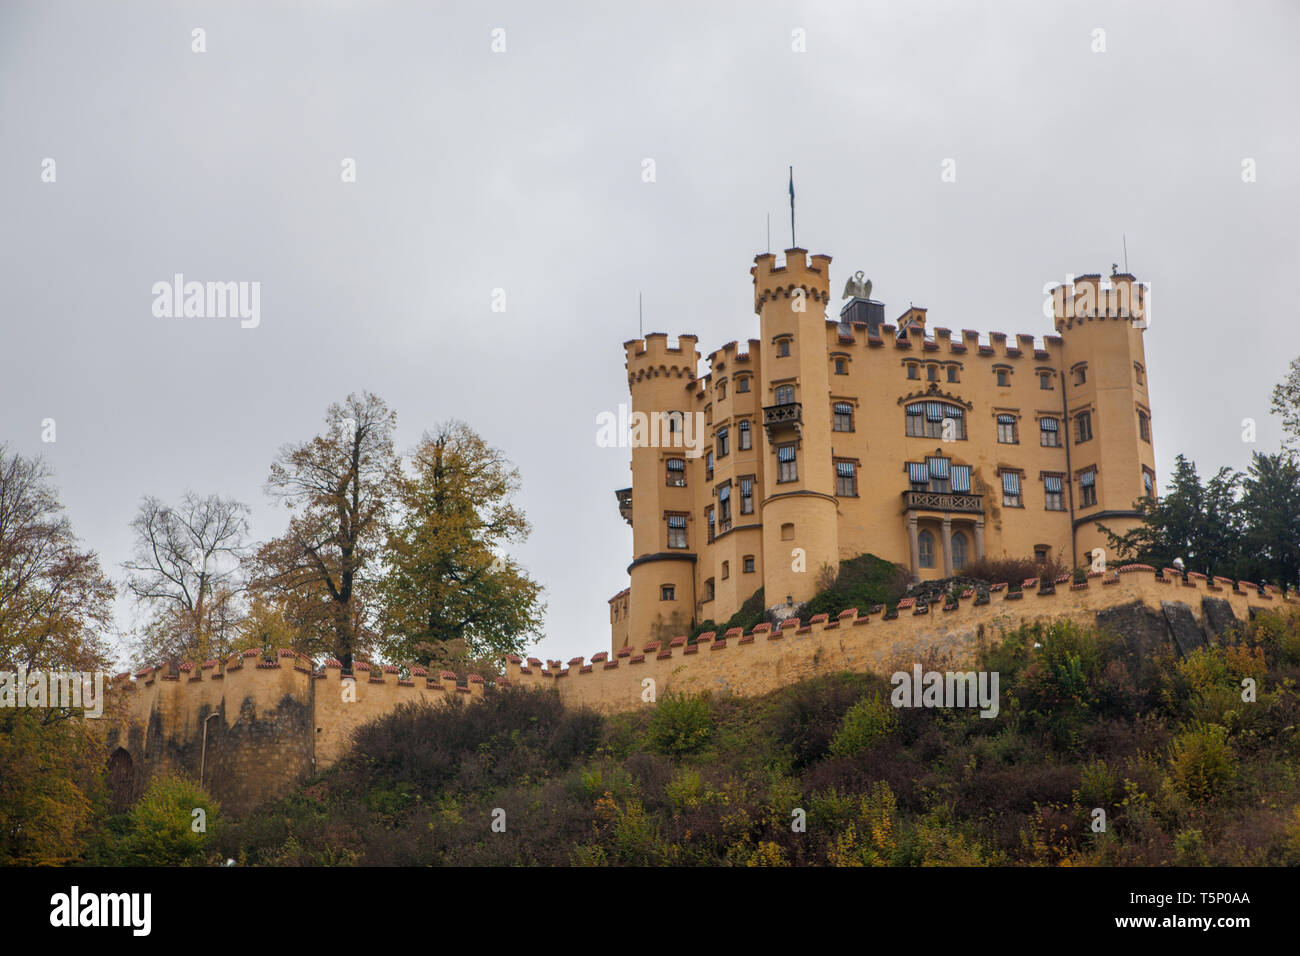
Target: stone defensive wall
{"type": "Point", "coordinates": [250, 726]}
{"type": "Point", "coordinates": [1149, 609]}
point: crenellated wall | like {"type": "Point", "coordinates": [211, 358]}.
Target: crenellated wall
{"type": "Point", "coordinates": [1145, 607]}
{"type": "Point", "coordinates": [270, 723]}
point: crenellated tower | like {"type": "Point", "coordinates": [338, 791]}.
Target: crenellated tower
{"type": "Point", "coordinates": [1106, 405]}
{"type": "Point", "coordinates": [799, 508]}
{"type": "Point", "coordinates": [666, 532]}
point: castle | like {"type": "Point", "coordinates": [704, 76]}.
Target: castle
{"type": "Point", "coordinates": [829, 438]}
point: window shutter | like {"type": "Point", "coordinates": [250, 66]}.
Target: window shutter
{"type": "Point", "coordinates": [961, 478]}
{"type": "Point", "coordinates": [785, 453]}
{"type": "Point", "coordinates": [845, 469]}
{"type": "Point", "coordinates": [1048, 424]}
{"type": "Point", "coordinates": [1006, 419]}
{"type": "Point", "coordinates": [676, 464]}
{"type": "Point", "coordinates": [952, 411]}
{"type": "Point", "coordinates": [917, 409]}
{"type": "Point", "coordinates": [1088, 478]}
{"type": "Point", "coordinates": [677, 521]}
{"type": "Point", "coordinates": [842, 408]}
{"type": "Point", "coordinates": [746, 486]}
{"type": "Point", "coordinates": [1011, 482]}
{"type": "Point", "coordinates": [724, 492]}
{"type": "Point", "coordinates": [938, 467]}
{"type": "Point", "coordinates": [918, 472]}
{"type": "Point", "coordinates": [934, 411]}
{"type": "Point", "coordinates": [1052, 483]}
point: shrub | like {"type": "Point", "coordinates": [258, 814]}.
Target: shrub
{"type": "Point", "coordinates": [860, 582]}
{"type": "Point", "coordinates": [1201, 761]}
{"type": "Point", "coordinates": [681, 724]}
{"type": "Point", "coordinates": [160, 827]}
{"type": "Point", "coordinates": [866, 722]}
{"type": "Point", "coordinates": [1014, 570]}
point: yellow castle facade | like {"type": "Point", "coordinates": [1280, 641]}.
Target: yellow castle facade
{"type": "Point", "coordinates": [826, 438]}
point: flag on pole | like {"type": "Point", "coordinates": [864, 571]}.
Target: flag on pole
{"type": "Point", "coordinates": [793, 244]}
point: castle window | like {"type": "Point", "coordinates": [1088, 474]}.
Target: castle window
{"type": "Point", "coordinates": [843, 417]}
{"type": "Point", "coordinates": [958, 551]}
{"type": "Point", "coordinates": [1080, 373]}
{"type": "Point", "coordinates": [787, 466]}
{"type": "Point", "coordinates": [667, 592]}
{"type": "Point", "coordinates": [708, 466]}
{"type": "Point", "coordinates": [787, 531]}
{"type": "Point", "coordinates": [677, 531]}
{"type": "Point", "coordinates": [708, 591]}
{"type": "Point", "coordinates": [927, 420]}
{"type": "Point", "coordinates": [846, 479]}
{"type": "Point", "coordinates": [1139, 373]}
{"type": "Point", "coordinates": [1007, 430]}
{"type": "Point", "coordinates": [932, 373]}
{"type": "Point", "coordinates": [742, 384]}
{"type": "Point", "coordinates": [1040, 555]}
{"type": "Point", "coordinates": [1144, 426]}
{"type": "Point", "coordinates": [726, 570]}
{"type": "Point", "coordinates": [676, 473]}
{"type": "Point", "coordinates": [785, 394]}
{"type": "Point", "coordinates": [674, 422]}
{"type": "Point", "coordinates": [1049, 433]}
{"type": "Point", "coordinates": [722, 389]}
{"type": "Point", "coordinates": [841, 366]}
{"type": "Point", "coordinates": [952, 373]}
{"type": "Point", "coordinates": [1088, 488]}
{"type": "Point", "coordinates": [1053, 493]}
{"type": "Point", "coordinates": [925, 547]}
{"type": "Point", "coordinates": [940, 476]}
{"type": "Point", "coordinates": [961, 479]}
{"type": "Point", "coordinates": [783, 348]}
{"type": "Point", "coordinates": [1011, 489]}
{"type": "Point", "coordinates": [749, 564]}
{"type": "Point", "coordinates": [918, 475]}
{"type": "Point", "coordinates": [913, 370]}
{"type": "Point", "coordinates": [747, 495]}
{"type": "Point", "coordinates": [724, 507]}
{"type": "Point", "coordinates": [724, 444]}
{"type": "Point", "coordinates": [1083, 427]}
{"type": "Point", "coordinates": [746, 439]}
{"type": "Point", "coordinates": [1004, 378]}
{"type": "Point", "coordinates": [1149, 482]}
{"type": "Point", "coordinates": [708, 520]}
{"type": "Point", "coordinates": [1045, 381]}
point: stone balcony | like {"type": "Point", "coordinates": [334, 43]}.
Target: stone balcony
{"type": "Point", "coordinates": [953, 501]}
{"type": "Point", "coordinates": [783, 418]}
{"type": "Point", "coordinates": [624, 496]}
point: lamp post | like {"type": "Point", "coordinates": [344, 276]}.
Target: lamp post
{"type": "Point", "coordinates": [203, 757]}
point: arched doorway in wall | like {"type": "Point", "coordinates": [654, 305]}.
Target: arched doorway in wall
{"type": "Point", "coordinates": [121, 780]}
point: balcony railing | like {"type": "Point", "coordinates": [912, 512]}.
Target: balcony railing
{"type": "Point", "coordinates": [624, 496]}
{"type": "Point", "coordinates": [779, 418]}
{"type": "Point", "coordinates": [943, 501]}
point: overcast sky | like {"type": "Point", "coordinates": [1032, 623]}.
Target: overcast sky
{"type": "Point", "coordinates": [522, 170]}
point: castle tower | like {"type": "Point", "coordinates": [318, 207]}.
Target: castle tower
{"type": "Point", "coordinates": [799, 510]}
{"type": "Point", "coordinates": [1108, 413]}
{"type": "Point", "coordinates": [666, 534]}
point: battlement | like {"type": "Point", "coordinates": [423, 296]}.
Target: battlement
{"type": "Point", "coordinates": [772, 281]}
{"type": "Point", "coordinates": [720, 359]}
{"type": "Point", "coordinates": [770, 657]}
{"type": "Point", "coordinates": [653, 355]}
{"type": "Point", "coordinates": [1120, 297]}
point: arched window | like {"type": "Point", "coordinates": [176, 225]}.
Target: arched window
{"type": "Point", "coordinates": [925, 544]}
{"type": "Point", "coordinates": [958, 551]}
{"type": "Point", "coordinates": [785, 394]}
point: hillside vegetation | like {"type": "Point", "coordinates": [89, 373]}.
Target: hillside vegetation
{"type": "Point", "coordinates": [1185, 770]}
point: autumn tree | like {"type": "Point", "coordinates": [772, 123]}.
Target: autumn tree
{"type": "Point", "coordinates": [448, 591]}
{"type": "Point", "coordinates": [1286, 403]}
{"type": "Point", "coordinates": [337, 487]}
{"type": "Point", "coordinates": [188, 574]}
{"type": "Point", "coordinates": [55, 606]}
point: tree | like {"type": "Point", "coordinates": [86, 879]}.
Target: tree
{"type": "Point", "coordinates": [447, 589]}
{"type": "Point", "coordinates": [338, 486]}
{"type": "Point", "coordinates": [1200, 523]}
{"type": "Point", "coordinates": [1286, 402]}
{"type": "Point", "coordinates": [188, 572]}
{"type": "Point", "coordinates": [55, 605]}
{"type": "Point", "coordinates": [1271, 510]}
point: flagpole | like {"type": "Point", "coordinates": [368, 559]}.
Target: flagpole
{"type": "Point", "coordinates": [793, 244]}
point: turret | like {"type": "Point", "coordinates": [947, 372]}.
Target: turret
{"type": "Point", "coordinates": [1111, 441]}
{"type": "Point", "coordinates": [668, 441]}
{"type": "Point", "coordinates": [799, 509]}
